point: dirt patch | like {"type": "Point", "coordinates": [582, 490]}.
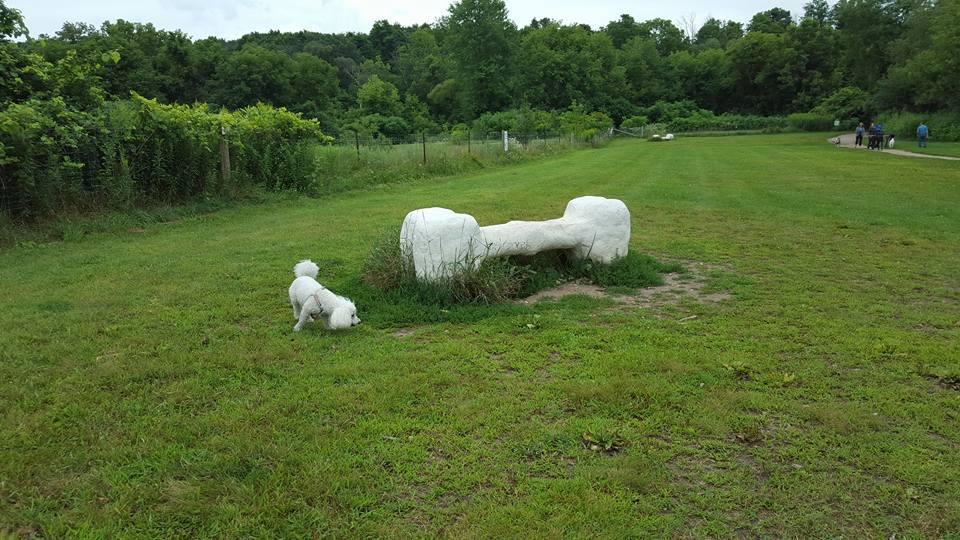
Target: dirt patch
{"type": "Point", "coordinates": [572, 288]}
{"type": "Point", "coordinates": [403, 332]}
{"type": "Point", "coordinates": [948, 382]}
{"type": "Point", "coordinates": [676, 287]}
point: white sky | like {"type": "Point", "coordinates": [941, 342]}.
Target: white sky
{"type": "Point", "coordinates": [231, 19]}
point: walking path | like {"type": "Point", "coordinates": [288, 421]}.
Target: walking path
{"type": "Point", "coordinates": [848, 140]}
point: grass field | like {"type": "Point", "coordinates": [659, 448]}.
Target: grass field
{"type": "Point", "coordinates": [150, 384]}
{"type": "Point", "coordinates": [935, 148]}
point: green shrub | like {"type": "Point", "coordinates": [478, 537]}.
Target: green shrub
{"type": "Point", "coordinates": [847, 103]}
{"type": "Point", "coordinates": [388, 269]}
{"type": "Point", "coordinates": [686, 116]}
{"type": "Point", "coordinates": [726, 122]}
{"type": "Point", "coordinates": [137, 152]}
{"type": "Point", "coordinates": [811, 122]}
{"type": "Point", "coordinates": [943, 126]}
{"type": "Point", "coordinates": [635, 122]}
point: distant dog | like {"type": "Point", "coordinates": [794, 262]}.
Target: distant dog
{"type": "Point", "coordinates": [311, 300]}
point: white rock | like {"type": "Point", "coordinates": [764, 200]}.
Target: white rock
{"type": "Point", "coordinates": [441, 241]}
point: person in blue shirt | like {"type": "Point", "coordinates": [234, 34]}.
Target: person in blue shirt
{"type": "Point", "coordinates": [922, 133]}
{"type": "Point", "coordinates": [860, 131]}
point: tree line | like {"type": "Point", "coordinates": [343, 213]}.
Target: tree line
{"type": "Point", "coordinates": [126, 115]}
{"type": "Point", "coordinates": [852, 59]}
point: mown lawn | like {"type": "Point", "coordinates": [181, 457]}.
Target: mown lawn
{"type": "Point", "coordinates": [150, 384]}
{"type": "Point", "coordinates": [935, 148]}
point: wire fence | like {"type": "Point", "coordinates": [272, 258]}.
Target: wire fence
{"type": "Point", "coordinates": [426, 147]}
{"type": "Point", "coordinates": [353, 160]}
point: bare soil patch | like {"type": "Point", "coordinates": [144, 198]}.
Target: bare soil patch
{"type": "Point", "coordinates": [676, 287]}
{"type": "Point", "coordinates": [403, 332]}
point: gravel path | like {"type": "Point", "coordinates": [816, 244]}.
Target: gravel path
{"type": "Point", "coordinates": [847, 141]}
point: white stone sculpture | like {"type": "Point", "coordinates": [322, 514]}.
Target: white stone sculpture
{"type": "Point", "coordinates": [441, 241]}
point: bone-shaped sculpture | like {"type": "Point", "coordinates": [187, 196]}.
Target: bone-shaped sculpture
{"type": "Point", "coordinates": [442, 242]}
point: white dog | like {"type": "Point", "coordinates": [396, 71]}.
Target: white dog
{"type": "Point", "coordinates": [311, 300]}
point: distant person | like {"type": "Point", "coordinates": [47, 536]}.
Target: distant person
{"type": "Point", "coordinates": [879, 136]}
{"type": "Point", "coordinates": [860, 130]}
{"type": "Point", "coordinates": [872, 136]}
{"type": "Point", "coordinates": [922, 133]}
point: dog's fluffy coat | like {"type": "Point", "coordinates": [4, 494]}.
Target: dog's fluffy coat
{"type": "Point", "coordinates": [311, 300]}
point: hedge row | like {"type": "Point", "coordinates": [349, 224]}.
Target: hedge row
{"type": "Point", "coordinates": [137, 151]}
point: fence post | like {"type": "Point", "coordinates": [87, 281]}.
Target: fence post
{"type": "Point", "coordinates": [423, 141]}
{"type": "Point", "coordinates": [224, 157]}
{"type": "Point", "coordinates": [468, 142]}
{"type": "Point", "coordinates": [506, 143]}
{"type": "Point", "coordinates": [356, 138]}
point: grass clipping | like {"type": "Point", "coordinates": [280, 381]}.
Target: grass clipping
{"type": "Point", "coordinates": [500, 279]}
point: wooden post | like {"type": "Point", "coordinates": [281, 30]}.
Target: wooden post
{"type": "Point", "coordinates": [356, 138]}
{"type": "Point", "coordinates": [423, 141]}
{"type": "Point", "coordinates": [224, 157]}
{"type": "Point", "coordinates": [468, 142]}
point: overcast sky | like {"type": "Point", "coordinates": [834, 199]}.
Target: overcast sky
{"type": "Point", "coordinates": [232, 18]}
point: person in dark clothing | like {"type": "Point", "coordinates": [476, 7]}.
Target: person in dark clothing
{"type": "Point", "coordinates": [860, 130]}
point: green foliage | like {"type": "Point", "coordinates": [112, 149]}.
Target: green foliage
{"type": "Point", "coordinates": [715, 33]}
{"type": "Point", "coordinates": [637, 121]}
{"type": "Point", "coordinates": [379, 97]}
{"type": "Point", "coordinates": [388, 269]}
{"type": "Point", "coordinates": [943, 126]}
{"type": "Point", "coordinates": [707, 121]}
{"type": "Point", "coordinates": [482, 42]}
{"type": "Point", "coordinates": [140, 151]}
{"type": "Point", "coordinates": [582, 125]}
{"type": "Point", "coordinates": [11, 23]}
{"type": "Point", "coordinates": [845, 104]}
{"type": "Point", "coordinates": [525, 122]}
{"type": "Point", "coordinates": [811, 121]}
{"type": "Point", "coordinates": [421, 63]}
{"type": "Point", "coordinates": [772, 21]}
{"type": "Point", "coordinates": [561, 65]}
{"type": "Point", "coordinates": [42, 144]}
{"type": "Point", "coordinates": [686, 116]}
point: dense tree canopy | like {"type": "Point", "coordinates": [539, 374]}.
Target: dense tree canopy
{"type": "Point", "coordinates": [859, 56]}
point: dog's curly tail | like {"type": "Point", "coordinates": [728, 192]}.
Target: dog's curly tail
{"type": "Point", "coordinates": [306, 267]}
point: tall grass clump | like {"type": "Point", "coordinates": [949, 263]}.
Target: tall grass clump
{"type": "Point", "coordinates": [811, 121]}
{"type": "Point", "coordinates": [500, 279]}
{"type": "Point", "coordinates": [388, 269]}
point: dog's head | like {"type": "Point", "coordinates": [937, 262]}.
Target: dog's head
{"type": "Point", "coordinates": [344, 316]}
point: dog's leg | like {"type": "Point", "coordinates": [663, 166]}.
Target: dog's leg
{"type": "Point", "coordinates": [304, 319]}
{"type": "Point", "coordinates": [296, 309]}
